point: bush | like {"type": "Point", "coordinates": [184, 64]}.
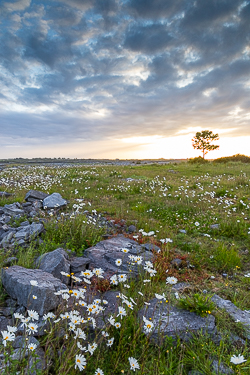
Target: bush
{"type": "Point", "coordinates": [198, 160]}
{"type": "Point", "coordinates": [234, 158]}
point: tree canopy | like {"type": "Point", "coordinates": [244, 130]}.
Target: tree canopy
{"type": "Point", "coordinates": [202, 141]}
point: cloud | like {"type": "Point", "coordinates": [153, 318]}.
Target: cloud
{"type": "Point", "coordinates": [94, 70]}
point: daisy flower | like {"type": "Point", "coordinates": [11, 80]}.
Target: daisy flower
{"type": "Point", "coordinates": [34, 282]}
{"type": "Point", "coordinates": [7, 336]}
{"type": "Point", "coordinates": [133, 364]}
{"type": "Point", "coordinates": [125, 250]}
{"type": "Point", "coordinates": [80, 362]}
{"type": "Point", "coordinates": [92, 348]}
{"type": "Point", "coordinates": [118, 262]}
{"type": "Point", "coordinates": [122, 312]}
{"type": "Point", "coordinates": [99, 372]}
{"type": "Point", "coordinates": [171, 280]}
{"type": "Point", "coordinates": [237, 360]}
{"type": "Point", "coordinates": [32, 347]}
{"type": "Point", "coordinates": [110, 342]}
{"type": "Point", "coordinates": [33, 315]}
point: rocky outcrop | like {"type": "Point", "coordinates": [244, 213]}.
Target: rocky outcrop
{"type": "Point", "coordinates": [174, 322]}
{"type": "Point", "coordinates": [105, 253]}
{"type": "Point", "coordinates": [16, 281]}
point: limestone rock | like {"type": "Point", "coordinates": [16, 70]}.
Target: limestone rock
{"type": "Point", "coordinates": [35, 195]}
{"type": "Point", "coordinates": [16, 281]}
{"type": "Point", "coordinates": [172, 321]}
{"type": "Point", "coordinates": [79, 264]}
{"type": "Point", "coordinates": [236, 313]}
{"type": "Point", "coordinates": [13, 209]}
{"type": "Point", "coordinates": [54, 200]}
{"type": "Point", "coordinates": [55, 262]}
{"type": "Point", "coordinates": [105, 253]}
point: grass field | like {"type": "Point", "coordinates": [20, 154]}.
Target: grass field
{"type": "Point", "coordinates": [197, 213]}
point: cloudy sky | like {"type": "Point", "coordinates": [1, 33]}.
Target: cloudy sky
{"type": "Point", "coordinates": [123, 78]}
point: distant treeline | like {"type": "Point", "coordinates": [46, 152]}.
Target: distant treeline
{"type": "Point", "coordinates": [227, 159]}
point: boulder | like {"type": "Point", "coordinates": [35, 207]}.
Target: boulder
{"type": "Point", "coordinates": [13, 210]}
{"type": "Point", "coordinates": [54, 262]}
{"type": "Point", "coordinates": [35, 195]}
{"type": "Point", "coordinates": [235, 313]}
{"type": "Point", "coordinates": [174, 322]}
{"type": "Point", "coordinates": [54, 200]}
{"type": "Point", "coordinates": [16, 281]}
{"type": "Point", "coordinates": [105, 253]}
{"type": "Point", "coordinates": [79, 264]}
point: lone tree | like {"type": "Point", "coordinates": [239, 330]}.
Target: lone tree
{"type": "Point", "coordinates": [202, 141]}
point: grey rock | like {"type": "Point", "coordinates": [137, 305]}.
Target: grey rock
{"type": "Point", "coordinates": [55, 262]}
{"type": "Point", "coordinates": [79, 264]}
{"type": "Point", "coordinates": [214, 226]}
{"type": "Point", "coordinates": [37, 205]}
{"type": "Point", "coordinates": [180, 287]}
{"type": "Point", "coordinates": [37, 364]}
{"type": "Point", "coordinates": [131, 229]}
{"type": "Point", "coordinates": [2, 233]}
{"type": "Point", "coordinates": [150, 247]}
{"type": "Point", "coordinates": [54, 200]}
{"type": "Point", "coordinates": [21, 342]}
{"type": "Point", "coordinates": [16, 281]}
{"type": "Point", "coordinates": [24, 223]}
{"type": "Point", "coordinates": [220, 367]}
{"type": "Point", "coordinates": [7, 311]}
{"type": "Point", "coordinates": [33, 214]}
{"type": "Point", "coordinates": [104, 254]}
{"type": "Point", "coordinates": [4, 322]}
{"type": "Point", "coordinates": [13, 210]}
{"type": "Point", "coordinates": [19, 354]}
{"type": "Point", "coordinates": [5, 194]}
{"type": "Point", "coordinates": [172, 322]}
{"type": "Point", "coordinates": [176, 262]}
{"type": "Point", "coordinates": [34, 195]}
{"type": "Point", "coordinates": [233, 311]}
{"type": "Point", "coordinates": [36, 229]}
{"type": "Point", "coordinates": [27, 204]}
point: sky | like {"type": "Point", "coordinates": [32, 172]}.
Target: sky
{"type": "Point", "coordinates": [123, 78]}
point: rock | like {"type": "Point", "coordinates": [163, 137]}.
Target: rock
{"type": "Point", "coordinates": [21, 342]}
{"type": "Point", "coordinates": [55, 262]}
{"type": "Point", "coordinates": [13, 209]}
{"type": "Point", "coordinates": [16, 281]}
{"type": "Point", "coordinates": [131, 229]}
{"type": "Point", "coordinates": [79, 264]}
{"type": "Point", "coordinates": [24, 223]}
{"type": "Point", "coordinates": [176, 262]}
{"type": "Point", "coordinates": [4, 322]}
{"type": "Point", "coordinates": [220, 367]}
{"type": "Point", "coordinates": [38, 364]}
{"type": "Point", "coordinates": [214, 226]}
{"type": "Point", "coordinates": [54, 200]}
{"type": "Point", "coordinates": [172, 321]}
{"type": "Point", "coordinates": [37, 205]}
{"type": "Point", "coordinates": [180, 287]}
{"type": "Point", "coordinates": [7, 311]}
{"type": "Point", "coordinates": [105, 253]}
{"type": "Point", "coordinates": [35, 195]}
{"type": "Point", "coordinates": [236, 313]}
{"type": "Point", "coordinates": [183, 231]}
{"type": "Point", "coordinates": [5, 194]}
{"type": "Point", "coordinates": [151, 247]}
